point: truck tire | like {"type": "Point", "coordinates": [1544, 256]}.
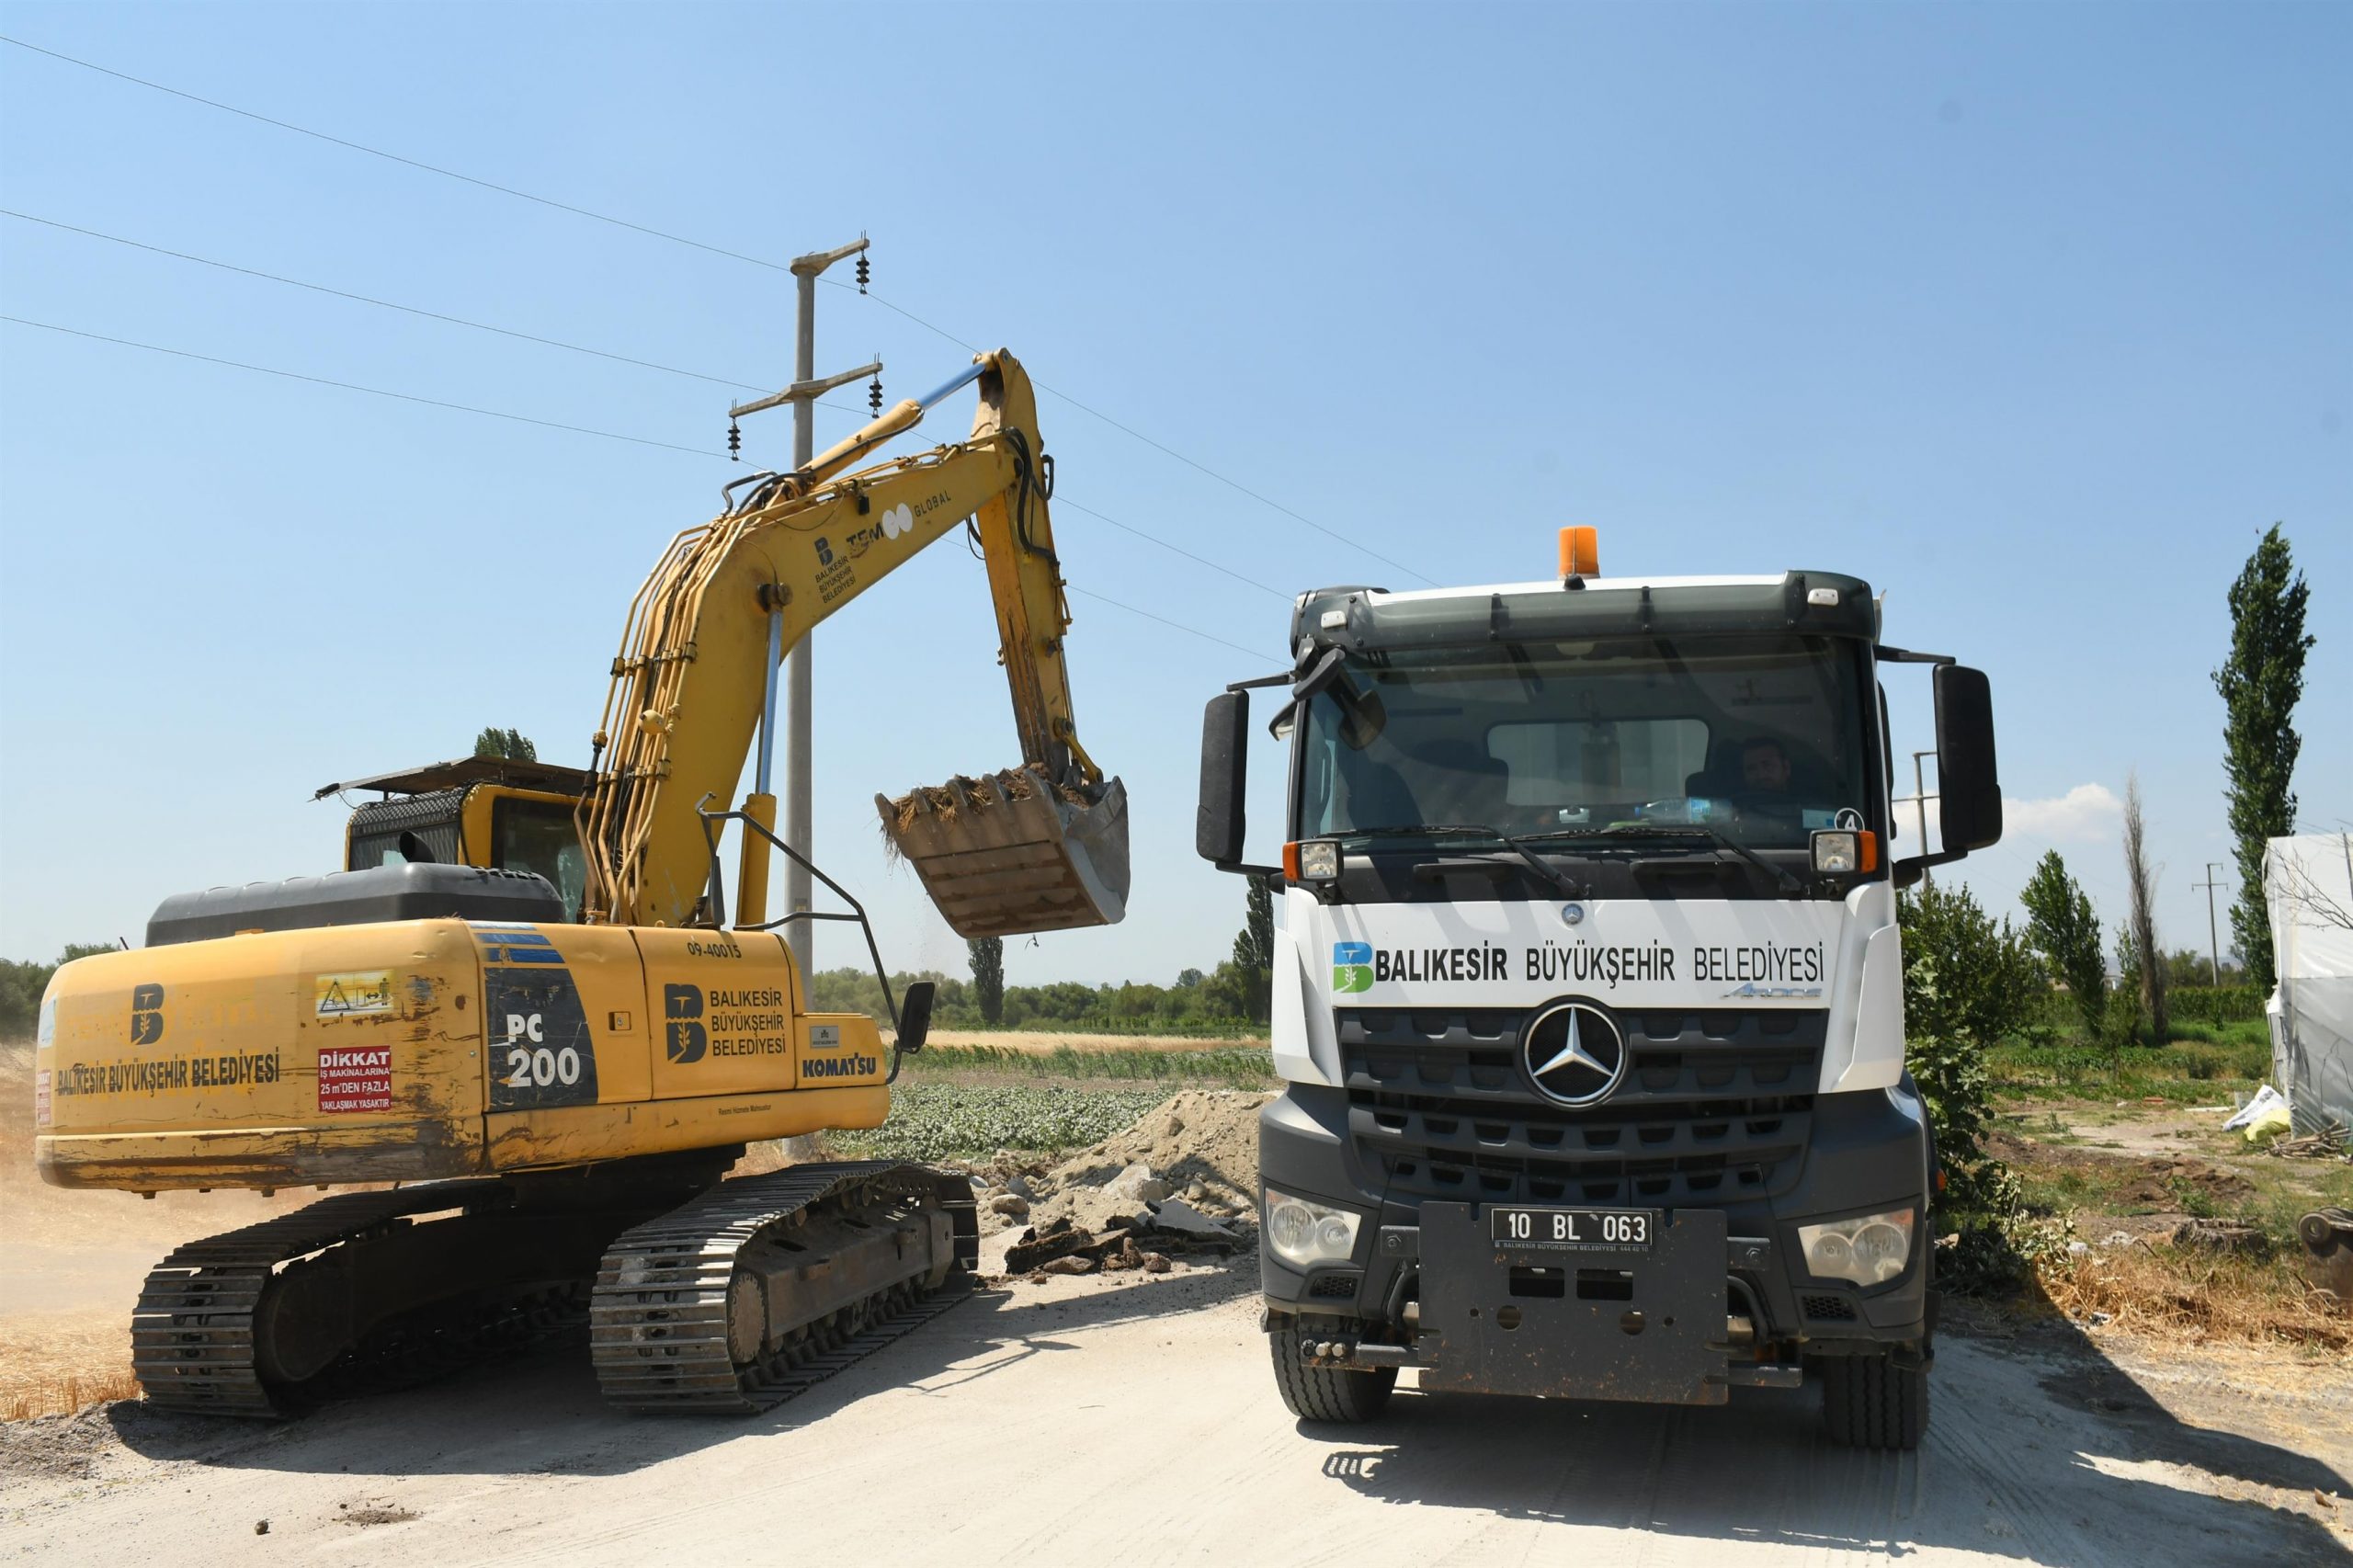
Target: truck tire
{"type": "Point", "coordinates": [1869, 1401]}
{"type": "Point", "coordinates": [1326, 1394]}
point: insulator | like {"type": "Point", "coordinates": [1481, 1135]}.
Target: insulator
{"type": "Point", "coordinates": [864, 272]}
{"type": "Point", "coordinates": [734, 442]}
{"type": "Point", "coordinates": [874, 395]}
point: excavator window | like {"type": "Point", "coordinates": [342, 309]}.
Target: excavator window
{"type": "Point", "coordinates": [539, 836]}
{"type": "Point", "coordinates": [388, 832]}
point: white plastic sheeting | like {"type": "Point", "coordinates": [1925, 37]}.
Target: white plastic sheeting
{"type": "Point", "coordinates": [2308, 886]}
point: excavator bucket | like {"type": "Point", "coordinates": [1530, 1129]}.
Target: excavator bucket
{"type": "Point", "coordinates": [1012, 852]}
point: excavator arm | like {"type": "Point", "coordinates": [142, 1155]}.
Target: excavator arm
{"type": "Point", "coordinates": [1040, 847]}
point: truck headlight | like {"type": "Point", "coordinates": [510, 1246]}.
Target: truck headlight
{"type": "Point", "coordinates": [1868, 1250]}
{"type": "Point", "coordinates": [1304, 1234]}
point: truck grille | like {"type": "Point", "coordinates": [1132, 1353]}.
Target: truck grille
{"type": "Point", "coordinates": [1714, 1108]}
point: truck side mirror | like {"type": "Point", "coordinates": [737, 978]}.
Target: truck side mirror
{"type": "Point", "coordinates": [1218, 821]}
{"type": "Point", "coordinates": [915, 1016]}
{"type": "Point", "coordinates": [1969, 785]}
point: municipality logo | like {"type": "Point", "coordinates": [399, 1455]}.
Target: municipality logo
{"type": "Point", "coordinates": [1351, 967]}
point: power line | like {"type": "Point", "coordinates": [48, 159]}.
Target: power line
{"type": "Point", "coordinates": [397, 158]}
{"type": "Point", "coordinates": [1178, 550]}
{"type": "Point", "coordinates": [717, 250]}
{"type": "Point", "coordinates": [384, 304]}
{"type": "Point", "coordinates": [549, 424]}
{"type": "Point", "coordinates": [1178, 625]}
{"type": "Point", "coordinates": [1156, 446]}
{"type": "Point", "coordinates": [353, 386]}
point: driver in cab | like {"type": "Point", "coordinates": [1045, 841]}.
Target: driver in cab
{"type": "Point", "coordinates": [1764, 767]}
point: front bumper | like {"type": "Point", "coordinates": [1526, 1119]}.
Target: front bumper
{"type": "Point", "coordinates": [1421, 1266]}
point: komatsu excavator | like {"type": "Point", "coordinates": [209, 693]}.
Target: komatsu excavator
{"type": "Point", "coordinates": [522, 1003]}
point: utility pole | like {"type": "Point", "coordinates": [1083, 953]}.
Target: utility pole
{"type": "Point", "coordinates": [1920, 799]}
{"type": "Point", "coordinates": [802, 394]}
{"type": "Point", "coordinates": [2213, 943]}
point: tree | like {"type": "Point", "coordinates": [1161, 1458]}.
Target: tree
{"type": "Point", "coordinates": [1247, 978]}
{"type": "Point", "coordinates": [2140, 883]}
{"type": "Point", "coordinates": [513, 744]}
{"type": "Point", "coordinates": [1986, 974]}
{"type": "Point", "coordinates": [2259, 683]}
{"type": "Point", "coordinates": [2064, 928]}
{"type": "Point", "coordinates": [1967, 984]}
{"type": "Point", "coordinates": [22, 983]}
{"type": "Point", "coordinates": [988, 977]}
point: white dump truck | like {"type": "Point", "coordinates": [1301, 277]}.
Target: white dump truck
{"type": "Point", "coordinates": [1587, 994]}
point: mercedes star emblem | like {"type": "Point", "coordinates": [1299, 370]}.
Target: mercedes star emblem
{"type": "Point", "coordinates": [1573, 913]}
{"type": "Point", "coordinates": [1573, 1053]}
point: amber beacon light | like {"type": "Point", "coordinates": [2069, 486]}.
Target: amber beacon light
{"type": "Point", "coordinates": [1580, 553]}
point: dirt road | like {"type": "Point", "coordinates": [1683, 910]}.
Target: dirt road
{"type": "Point", "coordinates": [1132, 1420]}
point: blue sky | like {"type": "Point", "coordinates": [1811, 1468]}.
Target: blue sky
{"type": "Point", "coordinates": [2035, 317]}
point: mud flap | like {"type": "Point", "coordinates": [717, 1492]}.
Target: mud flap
{"type": "Point", "coordinates": [1009, 853]}
{"type": "Point", "coordinates": [1646, 1326]}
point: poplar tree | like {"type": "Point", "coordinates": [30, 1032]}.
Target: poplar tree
{"type": "Point", "coordinates": [2260, 683]}
{"type": "Point", "coordinates": [988, 977]}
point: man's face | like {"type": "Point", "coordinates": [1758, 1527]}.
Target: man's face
{"type": "Point", "coordinates": [1765, 767]}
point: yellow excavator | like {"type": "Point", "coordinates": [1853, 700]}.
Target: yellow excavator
{"type": "Point", "coordinates": [523, 1003]}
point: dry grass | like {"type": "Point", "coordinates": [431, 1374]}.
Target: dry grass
{"type": "Point", "coordinates": [2185, 1295]}
{"type": "Point", "coordinates": [53, 1362]}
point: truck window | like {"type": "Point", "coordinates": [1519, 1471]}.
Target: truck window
{"type": "Point", "coordinates": [1761, 738]}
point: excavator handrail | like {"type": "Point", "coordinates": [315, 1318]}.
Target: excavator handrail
{"type": "Point", "coordinates": [717, 895]}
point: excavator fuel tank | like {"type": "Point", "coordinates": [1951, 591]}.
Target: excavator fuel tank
{"type": "Point", "coordinates": [1012, 852]}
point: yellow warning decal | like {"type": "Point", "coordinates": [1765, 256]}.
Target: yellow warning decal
{"type": "Point", "coordinates": [356, 994]}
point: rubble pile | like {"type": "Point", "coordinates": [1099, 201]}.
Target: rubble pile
{"type": "Point", "coordinates": [1182, 1180]}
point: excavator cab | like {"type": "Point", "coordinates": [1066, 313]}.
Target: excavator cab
{"type": "Point", "coordinates": [499, 814]}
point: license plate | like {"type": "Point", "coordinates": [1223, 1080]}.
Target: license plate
{"type": "Point", "coordinates": [1573, 1230]}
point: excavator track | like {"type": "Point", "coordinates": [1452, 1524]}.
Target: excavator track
{"type": "Point", "coordinates": [198, 1336]}
{"type": "Point", "coordinates": [766, 1286]}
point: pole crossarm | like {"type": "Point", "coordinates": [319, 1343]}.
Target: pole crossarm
{"type": "Point", "coordinates": [802, 391]}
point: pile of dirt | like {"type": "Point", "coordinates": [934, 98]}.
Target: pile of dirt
{"type": "Point", "coordinates": [1199, 1146]}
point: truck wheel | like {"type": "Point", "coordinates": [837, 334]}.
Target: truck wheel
{"type": "Point", "coordinates": [1326, 1394]}
{"type": "Point", "coordinates": [1869, 1402]}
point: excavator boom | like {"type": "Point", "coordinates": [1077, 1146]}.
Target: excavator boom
{"type": "Point", "coordinates": [1040, 847]}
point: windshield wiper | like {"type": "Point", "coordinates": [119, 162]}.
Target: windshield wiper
{"type": "Point", "coordinates": [1559, 879]}
{"type": "Point", "coordinates": [1788, 883]}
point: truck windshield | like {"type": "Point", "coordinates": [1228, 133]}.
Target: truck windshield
{"type": "Point", "coordinates": [1760, 739]}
